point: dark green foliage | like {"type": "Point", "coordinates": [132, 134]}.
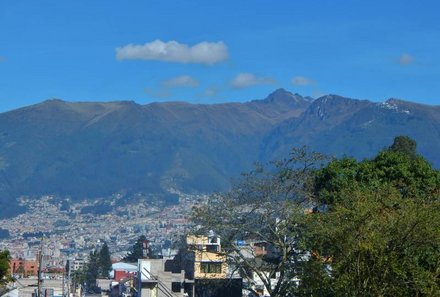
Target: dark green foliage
{"type": "Point", "coordinates": [412, 175]}
{"type": "Point", "coordinates": [374, 229]}
{"type": "Point", "coordinates": [136, 250]}
{"type": "Point", "coordinates": [99, 266]}
{"type": "Point", "coordinates": [381, 233]}
{"type": "Point", "coordinates": [405, 145]}
{"type": "Point", "coordinates": [105, 262]}
{"type": "Point", "coordinates": [79, 277]}
{"type": "Point", "coordinates": [337, 175]}
{"type": "Point", "coordinates": [315, 280]}
{"type": "Point", "coordinates": [4, 267]}
{"type": "Point", "coordinates": [92, 271]}
{"type": "Point", "coordinates": [379, 243]}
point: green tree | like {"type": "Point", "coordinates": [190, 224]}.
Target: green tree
{"type": "Point", "coordinates": [137, 250]}
{"type": "Point", "coordinates": [380, 235]}
{"type": "Point", "coordinates": [405, 145]}
{"type": "Point", "coordinates": [92, 270]}
{"type": "Point", "coordinates": [79, 277]}
{"type": "Point", "coordinates": [378, 243]}
{"type": "Point", "coordinates": [104, 261]}
{"type": "Point", "coordinates": [265, 207]}
{"type": "Point", "coordinates": [413, 176]}
{"type": "Point", "coordinates": [98, 266]}
{"type": "Point", "coordinates": [4, 267]}
{"type": "Point", "coordinates": [374, 229]}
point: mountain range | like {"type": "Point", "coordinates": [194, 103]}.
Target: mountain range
{"type": "Point", "coordinates": [95, 149]}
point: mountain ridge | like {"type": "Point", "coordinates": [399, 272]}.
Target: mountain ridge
{"type": "Point", "coordinates": [95, 149]}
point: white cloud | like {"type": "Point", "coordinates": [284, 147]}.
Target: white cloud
{"type": "Point", "coordinates": [181, 81]}
{"type": "Point", "coordinates": [202, 53]}
{"type": "Point", "coordinates": [302, 81]}
{"type": "Point", "coordinates": [245, 80]}
{"type": "Point", "coordinates": [210, 92]}
{"type": "Point", "coordinates": [405, 59]}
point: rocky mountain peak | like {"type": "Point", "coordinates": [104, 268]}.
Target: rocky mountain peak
{"type": "Point", "coordinates": [283, 95]}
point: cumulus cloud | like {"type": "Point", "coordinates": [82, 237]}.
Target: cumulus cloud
{"type": "Point", "coordinates": [172, 51]}
{"type": "Point", "coordinates": [181, 81]}
{"type": "Point", "coordinates": [245, 80]}
{"type": "Point", "coordinates": [302, 81]}
{"type": "Point", "coordinates": [405, 59]}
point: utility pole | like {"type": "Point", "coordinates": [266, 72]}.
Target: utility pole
{"type": "Point", "coordinates": [40, 273]}
{"type": "Point", "coordinates": [64, 272]}
{"type": "Point", "coordinates": [68, 278]}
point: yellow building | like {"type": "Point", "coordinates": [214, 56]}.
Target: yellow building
{"type": "Point", "coordinates": [209, 261]}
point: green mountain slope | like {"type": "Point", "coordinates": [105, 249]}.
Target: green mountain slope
{"type": "Point", "coordinates": [96, 149]}
{"type": "Point", "coordinates": [91, 150]}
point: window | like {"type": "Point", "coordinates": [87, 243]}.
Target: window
{"type": "Point", "coordinates": [211, 268]}
{"type": "Point", "coordinates": [176, 287]}
{"type": "Point", "coordinates": [212, 248]}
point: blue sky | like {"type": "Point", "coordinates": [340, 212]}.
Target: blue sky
{"type": "Point", "coordinates": [217, 51]}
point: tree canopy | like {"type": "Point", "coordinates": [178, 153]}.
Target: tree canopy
{"type": "Point", "coordinates": [104, 261]}
{"type": "Point", "coordinates": [263, 210]}
{"type": "Point", "coordinates": [405, 145]}
{"type": "Point", "coordinates": [382, 227]}
{"type": "Point", "coordinates": [137, 251]}
{"type": "Point", "coordinates": [380, 244]}
{"type": "Point", "coordinates": [99, 266]}
{"type": "Point", "coordinates": [4, 266]}
{"type": "Point", "coordinates": [345, 228]}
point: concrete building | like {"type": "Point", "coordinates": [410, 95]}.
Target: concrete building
{"type": "Point", "coordinates": [199, 271]}
{"type": "Point", "coordinates": [78, 264]}
{"type": "Point", "coordinates": [159, 278]}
